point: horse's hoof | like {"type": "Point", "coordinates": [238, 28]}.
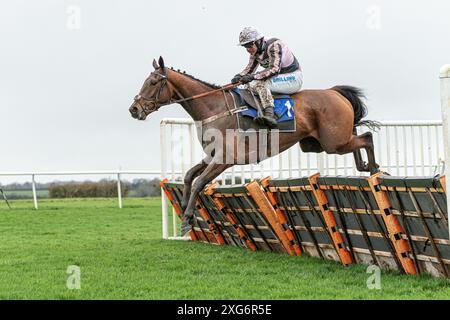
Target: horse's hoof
{"type": "Point", "coordinates": [185, 227]}
{"type": "Point", "coordinates": [375, 169]}
{"type": "Point", "coordinates": [363, 167]}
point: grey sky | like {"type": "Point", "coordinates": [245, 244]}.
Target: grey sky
{"type": "Point", "coordinates": [65, 93]}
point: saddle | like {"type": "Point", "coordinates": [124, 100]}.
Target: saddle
{"type": "Point", "coordinates": [284, 105]}
{"type": "Point", "coordinates": [284, 111]}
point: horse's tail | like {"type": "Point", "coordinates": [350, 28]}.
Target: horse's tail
{"type": "Point", "coordinates": [355, 96]}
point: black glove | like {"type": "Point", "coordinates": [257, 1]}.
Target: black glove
{"type": "Point", "coordinates": [247, 78]}
{"type": "Point", "coordinates": [236, 79]}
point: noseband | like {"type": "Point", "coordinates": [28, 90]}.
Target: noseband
{"type": "Point", "coordinates": [155, 100]}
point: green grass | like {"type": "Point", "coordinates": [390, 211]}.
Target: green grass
{"type": "Point", "coordinates": [122, 256]}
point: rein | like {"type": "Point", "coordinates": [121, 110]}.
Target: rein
{"type": "Point", "coordinates": [183, 99]}
{"type": "Point", "coordinates": [201, 95]}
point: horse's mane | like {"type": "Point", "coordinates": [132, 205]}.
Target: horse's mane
{"type": "Point", "coordinates": [211, 85]}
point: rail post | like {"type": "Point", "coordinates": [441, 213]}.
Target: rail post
{"type": "Point", "coordinates": [320, 163]}
{"type": "Point", "coordinates": [33, 187]}
{"type": "Point", "coordinates": [445, 105]}
{"type": "Point", "coordinates": [165, 215]}
{"type": "Point", "coordinates": [119, 191]}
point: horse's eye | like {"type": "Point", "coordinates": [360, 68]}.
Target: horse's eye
{"type": "Point", "coordinates": [153, 81]}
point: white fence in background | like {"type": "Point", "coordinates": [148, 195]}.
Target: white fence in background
{"type": "Point", "coordinates": [401, 148]}
{"type": "Point", "coordinates": [118, 174]}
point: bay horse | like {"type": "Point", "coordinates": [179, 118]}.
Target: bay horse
{"type": "Point", "coordinates": [326, 121]}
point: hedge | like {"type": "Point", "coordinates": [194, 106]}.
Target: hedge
{"type": "Point", "coordinates": [87, 190]}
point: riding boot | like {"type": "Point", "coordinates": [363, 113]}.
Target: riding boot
{"type": "Point", "coordinates": [269, 117]}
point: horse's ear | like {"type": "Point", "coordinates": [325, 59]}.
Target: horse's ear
{"type": "Point", "coordinates": [155, 64]}
{"type": "Point", "coordinates": [161, 62]}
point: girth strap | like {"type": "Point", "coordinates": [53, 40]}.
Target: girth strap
{"type": "Point", "coordinates": [229, 112]}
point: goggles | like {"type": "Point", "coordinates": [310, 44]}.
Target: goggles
{"type": "Point", "coordinates": [248, 45]}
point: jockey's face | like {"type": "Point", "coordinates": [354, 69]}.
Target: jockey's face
{"type": "Point", "coordinates": [251, 49]}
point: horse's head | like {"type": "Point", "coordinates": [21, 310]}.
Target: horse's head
{"type": "Point", "coordinates": [154, 93]}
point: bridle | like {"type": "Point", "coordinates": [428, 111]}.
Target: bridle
{"type": "Point", "coordinates": [155, 100]}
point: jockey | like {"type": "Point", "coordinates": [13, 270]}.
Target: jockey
{"type": "Point", "coordinates": [282, 73]}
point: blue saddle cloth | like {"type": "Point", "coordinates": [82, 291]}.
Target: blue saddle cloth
{"type": "Point", "coordinates": [284, 108]}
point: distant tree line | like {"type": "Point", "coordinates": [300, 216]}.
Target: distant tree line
{"type": "Point", "coordinates": [23, 186]}
{"type": "Point", "coordinates": [138, 188]}
{"type": "Point", "coordinates": [72, 189]}
{"type": "Point", "coordinates": [104, 189]}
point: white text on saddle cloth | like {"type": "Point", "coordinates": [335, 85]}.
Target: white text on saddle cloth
{"type": "Point", "coordinates": [289, 108]}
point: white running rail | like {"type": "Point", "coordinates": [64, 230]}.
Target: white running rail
{"type": "Point", "coordinates": [117, 173]}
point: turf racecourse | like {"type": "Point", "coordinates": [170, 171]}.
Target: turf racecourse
{"type": "Point", "coordinates": [121, 256]}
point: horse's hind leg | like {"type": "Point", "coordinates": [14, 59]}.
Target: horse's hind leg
{"type": "Point", "coordinates": [373, 166]}
{"type": "Point", "coordinates": [356, 143]}
{"type": "Point", "coordinates": [360, 164]}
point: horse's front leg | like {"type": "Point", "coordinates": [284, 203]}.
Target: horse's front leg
{"type": "Point", "coordinates": [212, 171]}
{"type": "Point", "coordinates": [191, 174]}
